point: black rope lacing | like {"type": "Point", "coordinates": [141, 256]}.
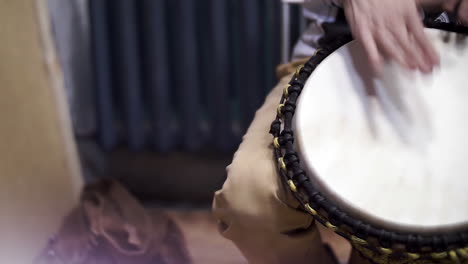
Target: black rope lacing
{"type": "Point", "coordinates": [431, 246]}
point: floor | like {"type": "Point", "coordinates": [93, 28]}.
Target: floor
{"type": "Point", "coordinates": [207, 247]}
{"type": "Point", "coordinates": [205, 244]}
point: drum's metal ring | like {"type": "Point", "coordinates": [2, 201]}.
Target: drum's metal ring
{"type": "Point", "coordinates": [378, 244]}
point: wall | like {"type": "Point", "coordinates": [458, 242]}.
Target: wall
{"type": "Point", "coordinates": [39, 176]}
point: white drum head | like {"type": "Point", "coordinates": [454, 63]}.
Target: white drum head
{"type": "Point", "coordinates": [393, 151]}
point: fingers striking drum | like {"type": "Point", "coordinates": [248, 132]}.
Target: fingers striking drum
{"type": "Point", "coordinates": [382, 162]}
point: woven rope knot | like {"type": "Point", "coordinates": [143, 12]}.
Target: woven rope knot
{"type": "Point", "coordinates": [275, 128]}
{"type": "Point", "coordinates": [464, 238]}
{"type": "Point", "coordinates": [294, 89]}
{"type": "Point", "coordinates": [290, 158]}
{"type": "Point", "coordinates": [288, 108]}
{"type": "Point", "coordinates": [298, 81]}
{"type": "Point", "coordinates": [438, 243]}
{"type": "Point", "coordinates": [334, 215]}
{"type": "Point", "coordinates": [384, 238]}
{"type": "Point", "coordinates": [287, 136]}
{"type": "Point", "coordinates": [300, 179]}
{"type": "Point", "coordinates": [362, 230]}
{"type": "Point", "coordinates": [412, 243]}
{"type": "Point", "coordinates": [307, 69]}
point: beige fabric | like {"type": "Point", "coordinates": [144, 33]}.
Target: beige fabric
{"type": "Point", "coordinates": [40, 178]}
{"type": "Point", "coordinates": [253, 207]}
{"type": "Point", "coordinates": [255, 210]}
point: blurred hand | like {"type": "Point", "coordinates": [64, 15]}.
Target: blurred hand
{"type": "Point", "coordinates": [391, 29]}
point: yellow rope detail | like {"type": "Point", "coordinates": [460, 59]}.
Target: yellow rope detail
{"type": "Point", "coordinates": [454, 257]}
{"type": "Point", "coordinates": [358, 240]}
{"type": "Point", "coordinates": [317, 51]}
{"type": "Point", "coordinates": [439, 255]}
{"type": "Point", "coordinates": [292, 186]}
{"type": "Point", "coordinates": [280, 108]}
{"type": "Point", "coordinates": [298, 70]}
{"type": "Point", "coordinates": [413, 255]}
{"type": "Point", "coordinates": [282, 164]}
{"type": "Point", "coordinates": [386, 251]}
{"type": "Point", "coordinates": [331, 226]}
{"type": "Point", "coordinates": [276, 143]}
{"type": "Point", "coordinates": [310, 209]}
{"type": "Point", "coordinates": [463, 252]}
{"type": "Point", "coordinates": [286, 91]}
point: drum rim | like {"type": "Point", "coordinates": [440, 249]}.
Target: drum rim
{"type": "Point", "coordinates": [371, 240]}
{"type": "Point", "coordinates": [352, 209]}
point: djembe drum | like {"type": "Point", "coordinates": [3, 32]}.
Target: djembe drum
{"type": "Point", "coordinates": [383, 161]}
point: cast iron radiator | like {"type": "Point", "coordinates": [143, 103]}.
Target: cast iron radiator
{"type": "Point", "coordinates": [181, 74]}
